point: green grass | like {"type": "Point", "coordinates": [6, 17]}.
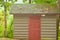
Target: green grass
{"type": "Point", "coordinates": [7, 39]}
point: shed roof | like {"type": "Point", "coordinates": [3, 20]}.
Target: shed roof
{"type": "Point", "coordinates": [33, 8]}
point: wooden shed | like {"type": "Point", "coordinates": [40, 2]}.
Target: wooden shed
{"type": "Point", "coordinates": [35, 22]}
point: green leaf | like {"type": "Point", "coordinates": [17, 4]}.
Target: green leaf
{"type": "Point", "coordinates": [50, 2]}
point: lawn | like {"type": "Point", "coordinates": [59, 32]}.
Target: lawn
{"type": "Point", "coordinates": [7, 39]}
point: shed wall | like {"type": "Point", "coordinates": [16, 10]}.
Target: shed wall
{"type": "Point", "coordinates": [21, 26]}
{"type": "Point", "coordinates": [48, 27]}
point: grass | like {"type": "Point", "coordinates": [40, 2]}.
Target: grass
{"type": "Point", "coordinates": [7, 39]}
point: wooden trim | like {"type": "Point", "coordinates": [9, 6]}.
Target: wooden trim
{"type": "Point", "coordinates": [57, 27]}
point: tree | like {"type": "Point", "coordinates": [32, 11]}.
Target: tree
{"type": "Point", "coordinates": [6, 4]}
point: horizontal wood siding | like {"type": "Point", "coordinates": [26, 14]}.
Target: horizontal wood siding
{"type": "Point", "coordinates": [48, 29]}
{"type": "Point", "coordinates": [21, 27]}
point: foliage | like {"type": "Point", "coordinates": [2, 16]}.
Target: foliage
{"type": "Point", "coordinates": [50, 2]}
{"type": "Point", "coordinates": [10, 26]}
{"type": "Point", "coordinates": [45, 1]}
{"type": "Point", "coordinates": [7, 4]}
{"type": "Point", "coordinates": [26, 1]}
{"type": "Point", "coordinates": [1, 23]}
{"type": "Point", "coordinates": [59, 31]}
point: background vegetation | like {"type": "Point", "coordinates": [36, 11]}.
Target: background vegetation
{"type": "Point", "coordinates": [10, 17]}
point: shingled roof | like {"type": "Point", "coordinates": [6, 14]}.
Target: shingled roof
{"type": "Point", "coordinates": [33, 8]}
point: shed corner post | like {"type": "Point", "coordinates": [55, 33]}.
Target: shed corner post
{"type": "Point", "coordinates": [57, 26]}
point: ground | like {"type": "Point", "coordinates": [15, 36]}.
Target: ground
{"type": "Point", "coordinates": [7, 39]}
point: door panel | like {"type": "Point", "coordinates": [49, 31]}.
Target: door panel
{"type": "Point", "coordinates": [34, 27]}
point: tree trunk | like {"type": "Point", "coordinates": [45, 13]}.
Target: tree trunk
{"type": "Point", "coordinates": [5, 12]}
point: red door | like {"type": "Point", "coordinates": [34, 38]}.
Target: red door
{"type": "Point", "coordinates": [34, 27]}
